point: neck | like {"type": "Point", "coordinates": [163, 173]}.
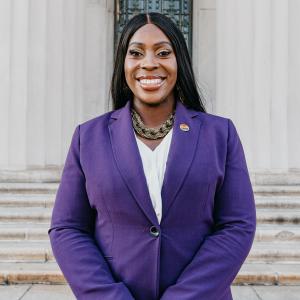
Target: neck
{"type": "Point", "coordinates": [153, 116]}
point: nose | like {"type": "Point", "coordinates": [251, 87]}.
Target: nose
{"type": "Point", "coordinates": [149, 62]}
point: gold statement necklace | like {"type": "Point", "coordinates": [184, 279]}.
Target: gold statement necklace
{"type": "Point", "coordinates": [148, 132]}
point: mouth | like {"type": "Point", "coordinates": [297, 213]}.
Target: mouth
{"type": "Point", "coordinates": [151, 84]}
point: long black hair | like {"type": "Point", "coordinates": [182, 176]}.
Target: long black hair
{"type": "Point", "coordinates": [185, 89]}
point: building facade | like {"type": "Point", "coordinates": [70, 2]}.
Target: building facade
{"type": "Point", "coordinates": [57, 59]}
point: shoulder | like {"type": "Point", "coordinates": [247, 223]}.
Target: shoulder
{"type": "Point", "coordinates": [93, 129]}
{"type": "Point", "coordinates": [95, 122]}
{"type": "Point", "coordinates": [217, 123]}
{"type": "Point", "coordinates": [219, 129]}
{"type": "Point", "coordinates": [213, 120]}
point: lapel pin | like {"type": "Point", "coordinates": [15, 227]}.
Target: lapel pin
{"type": "Point", "coordinates": [184, 127]}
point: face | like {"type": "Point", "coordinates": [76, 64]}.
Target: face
{"type": "Point", "coordinates": [150, 66]}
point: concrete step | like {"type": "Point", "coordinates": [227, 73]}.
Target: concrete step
{"type": "Point", "coordinates": [24, 231]}
{"type": "Point", "coordinates": [25, 214]}
{"type": "Point", "coordinates": [269, 274]}
{"type": "Point", "coordinates": [28, 187]}
{"type": "Point", "coordinates": [39, 175]}
{"type": "Point", "coordinates": [275, 251]}
{"type": "Point", "coordinates": [51, 187]}
{"type": "Point", "coordinates": [275, 232]}
{"type": "Point", "coordinates": [26, 200]}
{"type": "Point", "coordinates": [40, 251]}
{"type": "Point", "coordinates": [278, 216]}
{"type": "Point", "coordinates": [278, 190]}
{"type": "Point", "coordinates": [47, 272]}
{"type": "Point", "coordinates": [40, 214]}
{"type": "Point", "coordinates": [31, 194]}
{"type": "Point", "coordinates": [32, 231]}
{"type": "Point", "coordinates": [25, 251]}
{"type": "Point", "coordinates": [292, 177]}
{"type": "Point", "coordinates": [250, 273]}
{"type": "Point", "coordinates": [277, 201]}
{"type": "Point", "coordinates": [64, 292]}
{"type": "Point", "coordinates": [47, 200]}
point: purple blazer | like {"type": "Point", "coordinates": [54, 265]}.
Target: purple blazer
{"type": "Point", "coordinates": [104, 231]}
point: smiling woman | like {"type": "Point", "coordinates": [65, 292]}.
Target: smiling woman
{"type": "Point", "coordinates": [155, 200]}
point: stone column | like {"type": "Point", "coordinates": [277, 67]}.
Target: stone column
{"type": "Point", "coordinates": [234, 88]}
{"type": "Point", "coordinates": [204, 49]}
{"type": "Point", "coordinates": [14, 89]}
{"type": "Point", "coordinates": [293, 109]}
{"type": "Point", "coordinates": [257, 49]}
{"type": "Point", "coordinates": [56, 59]}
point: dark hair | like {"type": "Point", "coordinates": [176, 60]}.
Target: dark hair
{"type": "Point", "coordinates": [185, 89]}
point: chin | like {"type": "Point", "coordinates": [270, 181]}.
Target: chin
{"type": "Point", "coordinates": [153, 102]}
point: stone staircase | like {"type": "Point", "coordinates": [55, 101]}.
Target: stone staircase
{"type": "Point", "coordinates": [25, 250]}
{"type": "Point", "coordinates": [275, 255]}
{"type": "Point", "coordinates": [26, 256]}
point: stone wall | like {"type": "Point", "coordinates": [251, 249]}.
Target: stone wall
{"type": "Point", "coordinates": [56, 64]}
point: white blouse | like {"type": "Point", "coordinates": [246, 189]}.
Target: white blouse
{"type": "Point", "coordinates": [154, 165]}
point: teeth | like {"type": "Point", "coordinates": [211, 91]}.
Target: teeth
{"type": "Point", "coordinates": [150, 81]}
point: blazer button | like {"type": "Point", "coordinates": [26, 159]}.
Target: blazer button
{"type": "Point", "coordinates": [154, 231]}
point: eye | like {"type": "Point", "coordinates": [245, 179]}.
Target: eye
{"type": "Point", "coordinates": [164, 53]}
{"type": "Point", "coordinates": [134, 53]}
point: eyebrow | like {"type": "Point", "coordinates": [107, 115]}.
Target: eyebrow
{"type": "Point", "coordinates": [156, 44]}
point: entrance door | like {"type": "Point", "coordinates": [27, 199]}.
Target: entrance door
{"type": "Point", "coordinates": [180, 11]}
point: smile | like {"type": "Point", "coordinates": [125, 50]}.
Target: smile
{"type": "Point", "coordinates": [151, 84]}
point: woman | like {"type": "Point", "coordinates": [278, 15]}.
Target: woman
{"type": "Point", "coordinates": [155, 200]}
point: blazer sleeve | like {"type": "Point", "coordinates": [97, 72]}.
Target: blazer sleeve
{"type": "Point", "coordinates": [216, 263]}
{"type": "Point", "coordinates": [71, 236]}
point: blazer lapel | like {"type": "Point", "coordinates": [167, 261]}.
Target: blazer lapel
{"type": "Point", "coordinates": [128, 159]}
{"type": "Point", "coordinates": [126, 153]}
{"type": "Point", "coordinates": [181, 154]}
